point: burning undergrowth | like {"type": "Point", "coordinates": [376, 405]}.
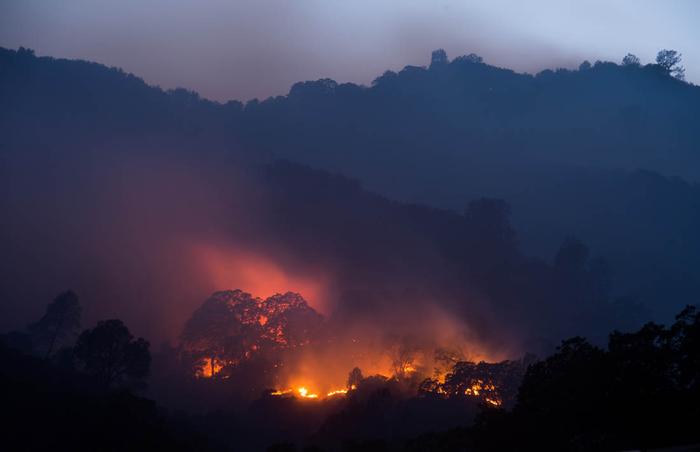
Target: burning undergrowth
{"type": "Point", "coordinates": [280, 347]}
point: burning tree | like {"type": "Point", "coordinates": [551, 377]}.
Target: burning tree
{"type": "Point", "coordinates": [402, 360]}
{"type": "Point", "coordinates": [445, 359]}
{"type": "Point", "coordinates": [220, 325]}
{"type": "Point", "coordinates": [232, 326]}
{"type": "Point", "coordinates": [290, 321]}
{"type": "Point", "coordinates": [354, 378]}
{"type": "Point", "coordinates": [492, 383]}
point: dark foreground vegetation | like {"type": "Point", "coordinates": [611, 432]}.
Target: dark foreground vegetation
{"type": "Point", "coordinates": [642, 391]}
{"type": "Point", "coordinates": [48, 407]}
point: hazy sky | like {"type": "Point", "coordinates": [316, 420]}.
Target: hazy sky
{"type": "Point", "coordinates": [240, 49]}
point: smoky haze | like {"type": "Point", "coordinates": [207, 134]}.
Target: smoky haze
{"type": "Point", "coordinates": [147, 234]}
{"type": "Point", "coordinates": [246, 49]}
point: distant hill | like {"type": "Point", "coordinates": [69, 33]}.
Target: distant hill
{"type": "Point", "coordinates": [452, 115]}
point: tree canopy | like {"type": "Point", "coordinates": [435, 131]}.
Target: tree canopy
{"type": "Point", "coordinates": [670, 61]}
{"type": "Point", "coordinates": [110, 353]}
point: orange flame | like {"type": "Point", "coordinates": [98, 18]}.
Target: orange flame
{"type": "Point", "coordinates": [209, 368]}
{"type": "Point", "coordinates": [337, 392]}
{"type": "Point", "coordinates": [304, 393]}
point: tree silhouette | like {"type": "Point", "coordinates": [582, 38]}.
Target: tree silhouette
{"type": "Point", "coordinates": [354, 378]}
{"type": "Point", "coordinates": [471, 58]}
{"type": "Point", "coordinates": [403, 353]}
{"type": "Point", "coordinates": [232, 326]}
{"type": "Point", "coordinates": [640, 392]}
{"type": "Point", "coordinates": [670, 60]}
{"type": "Point", "coordinates": [214, 329]}
{"type": "Point", "coordinates": [110, 354]}
{"type": "Point", "coordinates": [60, 322]}
{"type": "Point", "coordinates": [438, 58]}
{"type": "Point", "coordinates": [630, 60]}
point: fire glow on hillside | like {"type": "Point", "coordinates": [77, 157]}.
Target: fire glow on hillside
{"type": "Point", "coordinates": [486, 392]}
{"type": "Point", "coordinates": [291, 348]}
{"type": "Point", "coordinates": [304, 393]}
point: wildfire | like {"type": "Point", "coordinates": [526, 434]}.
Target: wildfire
{"type": "Point", "coordinates": [209, 368]}
{"type": "Point", "coordinates": [304, 393]}
{"type": "Point", "coordinates": [337, 392]}
{"type": "Point", "coordinates": [477, 387]}
{"type": "Point", "coordinates": [280, 322]}
{"type": "Point", "coordinates": [493, 402]}
{"type": "Point", "coordinates": [408, 369]}
{"type": "Point", "coordinates": [286, 333]}
{"type": "Point", "coordinates": [487, 392]}
{"type": "Point", "coordinates": [280, 393]}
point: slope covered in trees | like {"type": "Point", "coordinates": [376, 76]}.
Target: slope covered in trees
{"type": "Point", "coordinates": [561, 147]}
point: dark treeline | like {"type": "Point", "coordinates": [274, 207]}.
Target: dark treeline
{"type": "Point", "coordinates": [65, 389]}
{"type": "Point", "coordinates": [640, 392]}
